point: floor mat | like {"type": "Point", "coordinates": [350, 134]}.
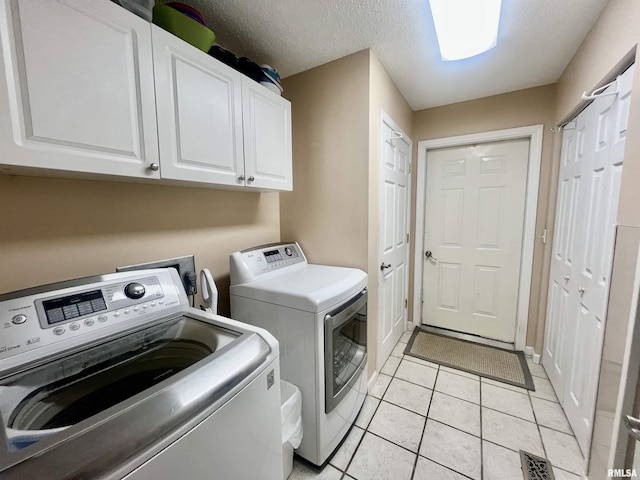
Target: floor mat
{"type": "Point", "coordinates": [489, 362]}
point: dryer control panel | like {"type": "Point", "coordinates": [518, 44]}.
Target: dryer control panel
{"type": "Point", "coordinates": [249, 264]}
{"type": "Point", "coordinates": [68, 314]}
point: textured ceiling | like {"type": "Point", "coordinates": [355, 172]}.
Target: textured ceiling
{"type": "Point", "coordinates": [537, 39]}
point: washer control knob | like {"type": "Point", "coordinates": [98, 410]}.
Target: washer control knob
{"type": "Point", "coordinates": [134, 290]}
{"type": "Point", "coordinates": [18, 319]}
{"type": "Point", "coordinates": [288, 251]}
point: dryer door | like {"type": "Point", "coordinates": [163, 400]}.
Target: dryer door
{"type": "Point", "coordinates": [345, 343]}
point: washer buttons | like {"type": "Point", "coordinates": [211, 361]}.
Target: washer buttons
{"type": "Point", "coordinates": [74, 326]}
{"type": "Point", "coordinates": [58, 330]}
{"type": "Point", "coordinates": [153, 304]}
{"type": "Point", "coordinates": [126, 311]}
{"type": "Point", "coordinates": [18, 319]}
{"type": "Point", "coordinates": [144, 305]}
{"type": "Point", "coordinates": [89, 322]}
{"type": "Point", "coordinates": [102, 318]}
{"type": "Point", "coordinates": [135, 309]}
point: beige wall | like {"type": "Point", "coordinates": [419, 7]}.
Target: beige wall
{"type": "Point", "coordinates": [613, 38]}
{"type": "Point", "coordinates": [333, 211]}
{"type": "Point", "coordinates": [54, 229]}
{"type": "Point", "coordinates": [383, 95]}
{"type": "Point", "coordinates": [327, 210]}
{"type": "Point", "coordinates": [517, 109]}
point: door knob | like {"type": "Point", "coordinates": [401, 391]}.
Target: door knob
{"type": "Point", "coordinates": [581, 290]}
{"type": "Point", "coordinates": [633, 426]}
{"type": "Point", "coordinates": [384, 265]}
{"type": "Point", "coordinates": [428, 254]}
{"type": "Point", "coordinates": [154, 167]}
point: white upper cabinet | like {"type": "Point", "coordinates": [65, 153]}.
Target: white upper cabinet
{"type": "Point", "coordinates": [267, 138]}
{"type": "Point", "coordinates": [214, 124]}
{"type": "Point", "coordinates": [199, 114]}
{"type": "Point", "coordinates": [76, 90]}
{"type": "Point", "coordinates": [80, 81]}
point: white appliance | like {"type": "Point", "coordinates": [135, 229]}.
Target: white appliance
{"type": "Point", "coordinates": [318, 313]}
{"type": "Point", "coordinates": [116, 376]}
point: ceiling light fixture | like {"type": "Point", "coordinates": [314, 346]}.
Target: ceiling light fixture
{"type": "Point", "coordinates": [465, 28]}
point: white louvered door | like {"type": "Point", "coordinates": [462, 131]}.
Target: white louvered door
{"type": "Point", "coordinates": [588, 191]}
{"type": "Point", "coordinates": [474, 221]}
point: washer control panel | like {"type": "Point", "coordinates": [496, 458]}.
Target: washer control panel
{"type": "Point", "coordinates": [248, 264]}
{"type": "Point", "coordinates": [82, 310]}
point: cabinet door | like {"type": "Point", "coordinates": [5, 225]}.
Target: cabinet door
{"type": "Point", "coordinates": [267, 138]}
{"type": "Point", "coordinates": [199, 114]}
{"type": "Point", "coordinates": [76, 93]}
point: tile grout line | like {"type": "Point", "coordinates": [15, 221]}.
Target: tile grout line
{"type": "Point", "coordinates": [405, 408]}
{"type": "Point", "coordinates": [424, 428]}
{"type": "Point", "coordinates": [544, 449]}
{"type": "Point", "coordinates": [366, 429]}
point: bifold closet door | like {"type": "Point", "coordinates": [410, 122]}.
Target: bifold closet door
{"type": "Point", "coordinates": [586, 209]}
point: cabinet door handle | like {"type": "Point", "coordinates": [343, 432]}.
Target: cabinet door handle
{"type": "Point", "coordinates": [154, 167]}
{"type": "Point", "coordinates": [251, 178]}
{"type": "Point", "coordinates": [241, 178]}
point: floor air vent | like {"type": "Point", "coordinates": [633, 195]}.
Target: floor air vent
{"type": "Point", "coordinates": [535, 468]}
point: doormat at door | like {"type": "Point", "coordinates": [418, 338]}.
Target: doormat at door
{"type": "Point", "coordinates": [489, 362]}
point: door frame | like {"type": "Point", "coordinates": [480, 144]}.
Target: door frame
{"type": "Point", "coordinates": [534, 134]}
{"type": "Point", "coordinates": [385, 118]}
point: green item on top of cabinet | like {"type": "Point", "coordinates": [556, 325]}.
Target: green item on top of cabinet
{"type": "Point", "coordinates": [183, 27]}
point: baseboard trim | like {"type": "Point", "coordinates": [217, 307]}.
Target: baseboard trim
{"type": "Point", "coordinates": [372, 381]}
{"type": "Point", "coordinates": [530, 352]}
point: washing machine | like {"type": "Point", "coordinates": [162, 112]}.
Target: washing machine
{"type": "Point", "coordinates": [318, 314]}
{"type": "Point", "coordinates": [115, 376]}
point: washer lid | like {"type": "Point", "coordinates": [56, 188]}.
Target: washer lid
{"type": "Point", "coordinates": [314, 288]}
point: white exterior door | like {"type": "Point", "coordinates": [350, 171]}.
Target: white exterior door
{"type": "Point", "coordinates": [474, 222]}
{"type": "Point", "coordinates": [395, 165]}
{"type": "Point", "coordinates": [78, 86]}
{"type": "Point", "coordinates": [199, 114]}
{"type": "Point", "coordinates": [588, 191]}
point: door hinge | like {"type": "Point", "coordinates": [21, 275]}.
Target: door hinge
{"type": "Point", "coordinates": [543, 237]}
{"type": "Point", "coordinates": [406, 303]}
{"type": "Point", "coordinates": [407, 238]}
{"type": "Point", "coordinates": [409, 167]}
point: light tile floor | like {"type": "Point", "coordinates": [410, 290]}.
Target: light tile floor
{"type": "Point", "coordinates": [422, 421]}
